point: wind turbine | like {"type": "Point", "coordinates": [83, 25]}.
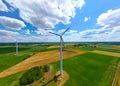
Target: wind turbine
{"type": "Point", "coordinates": [16, 48]}
{"type": "Point", "coordinates": [61, 43]}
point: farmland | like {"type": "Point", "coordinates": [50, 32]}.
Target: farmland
{"type": "Point", "coordinates": [39, 59]}
{"type": "Point", "coordinates": [86, 69]}
{"type": "Point", "coordinates": [107, 53]}
{"type": "Point", "coordinates": [8, 57]}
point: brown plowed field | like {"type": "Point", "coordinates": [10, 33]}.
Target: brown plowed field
{"type": "Point", "coordinates": [39, 59]}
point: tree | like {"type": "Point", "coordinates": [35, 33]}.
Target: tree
{"type": "Point", "coordinates": [46, 68]}
{"type": "Point", "coordinates": [31, 75]}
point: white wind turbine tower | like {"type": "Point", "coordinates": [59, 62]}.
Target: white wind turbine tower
{"type": "Point", "coordinates": [61, 43]}
{"type": "Point", "coordinates": [16, 48]}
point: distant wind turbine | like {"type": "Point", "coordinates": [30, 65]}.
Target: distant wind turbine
{"type": "Point", "coordinates": [16, 48]}
{"type": "Point", "coordinates": [61, 43]}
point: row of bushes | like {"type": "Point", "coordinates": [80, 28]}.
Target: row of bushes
{"type": "Point", "coordinates": [33, 74]}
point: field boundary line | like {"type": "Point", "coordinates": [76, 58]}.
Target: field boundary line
{"type": "Point", "coordinates": [116, 75]}
{"type": "Point", "coordinates": [106, 53]}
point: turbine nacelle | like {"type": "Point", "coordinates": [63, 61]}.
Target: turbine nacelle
{"type": "Point", "coordinates": [60, 34]}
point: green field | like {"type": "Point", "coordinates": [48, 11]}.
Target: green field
{"type": "Point", "coordinates": [104, 47]}
{"type": "Point", "coordinates": [8, 57]}
{"type": "Point", "coordinates": [89, 69]}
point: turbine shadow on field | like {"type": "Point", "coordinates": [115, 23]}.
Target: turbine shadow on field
{"type": "Point", "coordinates": [51, 80]}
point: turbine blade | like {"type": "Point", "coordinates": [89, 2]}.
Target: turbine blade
{"type": "Point", "coordinates": [65, 31]}
{"type": "Point", "coordinates": [54, 33]}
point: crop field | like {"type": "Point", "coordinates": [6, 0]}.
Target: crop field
{"type": "Point", "coordinates": [102, 47]}
{"type": "Point", "coordinates": [39, 59]}
{"type": "Point", "coordinates": [8, 57]}
{"type": "Point", "coordinates": [86, 65]}
{"type": "Point", "coordinates": [89, 69]}
{"type": "Point", "coordinates": [107, 53]}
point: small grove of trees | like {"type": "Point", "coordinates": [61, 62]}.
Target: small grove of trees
{"type": "Point", "coordinates": [33, 74]}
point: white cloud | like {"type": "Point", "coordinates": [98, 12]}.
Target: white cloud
{"type": "Point", "coordinates": [46, 16]}
{"type": "Point", "coordinates": [3, 7]}
{"type": "Point", "coordinates": [11, 23]}
{"type": "Point", "coordinates": [110, 21]}
{"type": "Point", "coordinates": [61, 31]}
{"type": "Point", "coordinates": [27, 31]}
{"type": "Point", "coordinates": [110, 18]}
{"type": "Point", "coordinates": [86, 19]}
{"type": "Point", "coordinates": [40, 38]}
{"type": "Point", "coordinates": [8, 33]}
{"type": "Point", "coordinates": [110, 30]}
{"type": "Point", "coordinates": [8, 36]}
{"type": "Point", "coordinates": [43, 31]}
{"type": "Point", "coordinates": [68, 32]}
{"type": "Point", "coordinates": [47, 13]}
{"type": "Point", "coordinates": [101, 34]}
{"type": "Point", "coordinates": [72, 31]}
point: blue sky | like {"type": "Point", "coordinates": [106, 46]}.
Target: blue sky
{"type": "Point", "coordinates": [31, 21]}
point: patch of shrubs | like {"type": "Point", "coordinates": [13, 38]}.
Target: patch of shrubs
{"type": "Point", "coordinates": [46, 68]}
{"type": "Point", "coordinates": [31, 75]}
{"type": "Point", "coordinates": [55, 78]}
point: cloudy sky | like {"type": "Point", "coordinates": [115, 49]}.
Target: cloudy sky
{"type": "Point", "coordinates": [32, 20]}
